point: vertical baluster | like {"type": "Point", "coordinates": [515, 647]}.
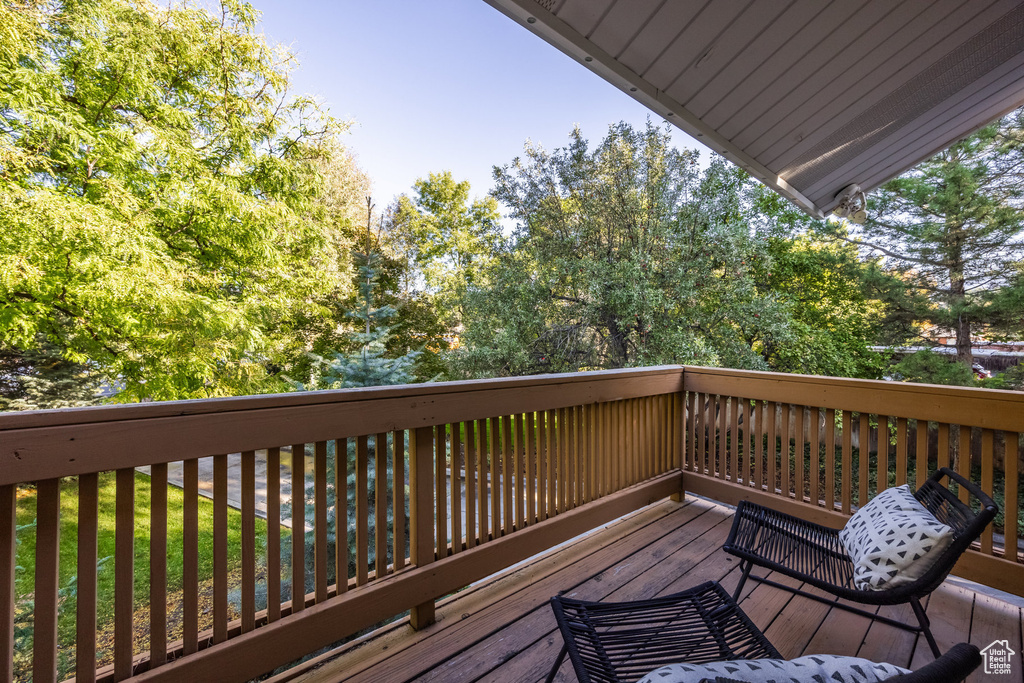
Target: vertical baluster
{"type": "Point", "coordinates": [472, 533]}
{"type": "Point", "coordinates": [507, 485]}
{"type": "Point", "coordinates": [814, 469]}
{"type": "Point", "coordinates": [582, 450]}
{"type": "Point", "coordinates": [494, 439]}
{"type": "Point", "coordinates": [542, 466]}
{"type": "Point", "coordinates": [798, 454]}
{"type": "Point", "coordinates": [699, 452]}
{"type": "Point", "coordinates": [847, 475]}
{"type": "Point", "coordinates": [531, 468]}
{"type": "Point", "coordinates": [560, 454]}
{"type": "Point", "coordinates": [830, 459]}
{"type": "Point", "coordinates": [274, 534]}
{"type": "Point", "coordinates": [455, 495]}
{"type": "Point", "coordinates": [721, 469]}
{"type": "Point", "coordinates": [157, 565]}
{"type": "Point", "coordinates": [884, 464]}
{"type": "Point", "coordinates": [963, 463]}
{"type": "Point", "coordinates": [772, 453]}
{"type": "Point", "coordinates": [734, 403]}
{"type": "Point", "coordinates": [124, 573]}
{"type": "Point", "coordinates": [593, 456]}
{"type": "Point", "coordinates": [248, 472]}
{"type": "Point", "coordinates": [572, 459]}
{"type": "Point", "coordinates": [987, 481]}
{"type": "Point", "coordinates": [8, 526]}
{"type": "Point", "coordinates": [1011, 509]}
{"type": "Point", "coordinates": [921, 468]}
{"type": "Point", "coordinates": [690, 447]}
{"type": "Point", "coordinates": [380, 505]}
{"type": "Point", "coordinates": [863, 455]}
{"type": "Point", "coordinates": [615, 447]}
{"type": "Point", "coordinates": [85, 613]}
{"type": "Point", "coordinates": [708, 434]}
{"type": "Point", "coordinates": [519, 465]}
{"type": "Point", "coordinates": [190, 557]}
{"type": "Point", "coordinates": [785, 483]}
{"type": "Point", "coordinates": [362, 510]}
{"type": "Point", "coordinates": [942, 446]}
{"type": "Point", "coordinates": [633, 424]}
{"type": "Point", "coordinates": [440, 481]}
{"type": "Point", "coordinates": [44, 644]}
{"type": "Point", "coordinates": [759, 412]}
{"type": "Point", "coordinates": [901, 451]}
{"type": "Point", "coordinates": [220, 548]}
{"type": "Point", "coordinates": [320, 550]}
{"type": "Point", "coordinates": [398, 497]}
{"type": "Point", "coordinates": [421, 507]}
{"type": "Point", "coordinates": [341, 556]}
{"type": "Point", "coordinates": [483, 480]}
{"type": "Point", "coordinates": [610, 447]}
{"type": "Point", "coordinates": [299, 525]}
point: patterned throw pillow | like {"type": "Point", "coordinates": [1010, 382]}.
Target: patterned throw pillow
{"type": "Point", "coordinates": [824, 668]}
{"type": "Point", "coordinates": [893, 540]}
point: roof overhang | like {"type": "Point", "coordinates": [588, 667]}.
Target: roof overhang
{"type": "Point", "coordinates": [810, 97]}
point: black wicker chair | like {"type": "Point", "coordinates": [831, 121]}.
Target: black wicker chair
{"type": "Point", "coordinates": [620, 642]}
{"type": "Point", "coordinates": [611, 642]}
{"type": "Point", "coordinates": [813, 553]}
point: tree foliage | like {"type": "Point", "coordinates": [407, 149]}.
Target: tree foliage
{"type": "Point", "coordinates": [165, 213]}
{"type": "Point", "coordinates": [627, 254]}
{"type": "Point", "coordinates": [952, 230]}
{"type": "Point", "coordinates": [444, 245]}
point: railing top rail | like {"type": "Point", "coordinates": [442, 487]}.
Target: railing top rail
{"type": "Point", "coordinates": [986, 408]}
{"type": "Point", "coordinates": [134, 411]}
{"type": "Point", "coordinates": [63, 443]}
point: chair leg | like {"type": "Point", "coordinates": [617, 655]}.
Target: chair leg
{"type": "Point", "coordinates": [558, 664]}
{"type": "Point", "coordinates": [925, 626]}
{"type": "Point", "coordinates": [746, 566]}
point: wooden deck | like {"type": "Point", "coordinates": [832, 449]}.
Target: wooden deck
{"type": "Point", "coordinates": [503, 629]}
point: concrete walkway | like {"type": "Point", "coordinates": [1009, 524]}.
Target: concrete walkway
{"type": "Point", "coordinates": [175, 477]}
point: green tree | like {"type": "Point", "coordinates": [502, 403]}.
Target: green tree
{"type": "Point", "coordinates": [162, 213]}
{"type": "Point", "coordinates": [835, 300]}
{"type": "Point", "coordinates": [449, 238]}
{"type": "Point", "coordinates": [624, 255]}
{"type": "Point", "coordinates": [952, 229]}
{"type": "Point", "coordinates": [41, 378]}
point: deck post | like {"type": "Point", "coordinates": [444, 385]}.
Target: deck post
{"type": "Point", "coordinates": [678, 430]}
{"type": "Point", "coordinates": [421, 513]}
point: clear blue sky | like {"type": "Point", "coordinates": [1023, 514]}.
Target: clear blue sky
{"type": "Point", "coordinates": [439, 85]}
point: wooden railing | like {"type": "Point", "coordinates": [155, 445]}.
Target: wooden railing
{"type": "Point", "coordinates": [402, 495]}
{"type": "Point", "coordinates": [398, 496]}
{"type": "Point", "coordinates": [818, 447]}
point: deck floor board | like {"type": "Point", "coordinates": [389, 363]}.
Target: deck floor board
{"type": "Point", "coordinates": [503, 629]}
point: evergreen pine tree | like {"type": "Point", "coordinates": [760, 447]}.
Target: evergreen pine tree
{"type": "Point", "coordinates": [366, 367]}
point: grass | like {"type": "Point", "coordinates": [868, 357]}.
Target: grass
{"type": "Point", "coordinates": [25, 576]}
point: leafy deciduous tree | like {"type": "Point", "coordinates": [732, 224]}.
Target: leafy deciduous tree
{"type": "Point", "coordinates": [161, 195]}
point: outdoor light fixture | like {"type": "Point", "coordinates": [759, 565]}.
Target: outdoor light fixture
{"type": "Point", "coordinates": [852, 203]}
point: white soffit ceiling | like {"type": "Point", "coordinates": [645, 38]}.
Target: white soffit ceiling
{"type": "Point", "coordinates": [809, 96]}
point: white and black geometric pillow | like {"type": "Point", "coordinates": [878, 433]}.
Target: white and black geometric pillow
{"type": "Point", "coordinates": [823, 668]}
{"type": "Point", "coordinates": [893, 540]}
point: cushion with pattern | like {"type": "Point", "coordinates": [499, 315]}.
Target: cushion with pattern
{"type": "Point", "coordinates": [893, 540]}
{"type": "Point", "coordinates": [823, 668]}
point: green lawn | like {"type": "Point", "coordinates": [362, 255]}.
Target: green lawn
{"type": "Point", "coordinates": [69, 549]}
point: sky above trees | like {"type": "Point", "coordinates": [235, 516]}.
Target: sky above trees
{"type": "Point", "coordinates": [441, 85]}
